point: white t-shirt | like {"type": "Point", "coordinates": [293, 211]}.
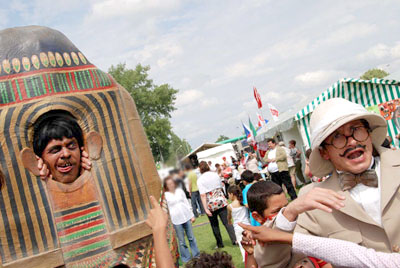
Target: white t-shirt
{"type": "Point", "coordinates": [272, 166]}
{"type": "Point", "coordinates": [209, 181]}
{"type": "Point", "coordinates": [179, 208]}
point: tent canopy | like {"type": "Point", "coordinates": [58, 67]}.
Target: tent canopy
{"type": "Point", "coordinates": [368, 93]}
{"type": "Point", "coordinates": [204, 146]}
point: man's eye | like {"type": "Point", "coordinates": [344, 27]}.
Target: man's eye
{"type": "Point", "coordinates": [54, 151]}
{"type": "Point", "coordinates": [337, 136]}
{"type": "Point", "coordinates": [72, 145]}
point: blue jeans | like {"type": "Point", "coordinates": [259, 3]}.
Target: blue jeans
{"type": "Point", "coordinates": [183, 249]}
{"type": "Point", "coordinates": [196, 203]}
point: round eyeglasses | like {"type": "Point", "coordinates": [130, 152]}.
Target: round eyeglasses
{"type": "Point", "coordinates": [359, 133]}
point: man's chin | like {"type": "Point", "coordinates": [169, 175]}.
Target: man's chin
{"type": "Point", "coordinates": [66, 178]}
{"type": "Point", "coordinates": [359, 168]}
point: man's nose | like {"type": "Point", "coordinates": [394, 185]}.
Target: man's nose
{"type": "Point", "coordinates": [351, 141]}
{"type": "Point", "coordinates": [66, 153]}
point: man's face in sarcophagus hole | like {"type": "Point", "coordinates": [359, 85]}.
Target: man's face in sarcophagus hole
{"type": "Point", "coordinates": [58, 140]}
{"type": "Point", "coordinates": [63, 157]}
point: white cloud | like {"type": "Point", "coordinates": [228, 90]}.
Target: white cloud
{"type": "Point", "coordinates": [208, 102]}
{"type": "Point", "coordinates": [290, 48]}
{"type": "Point", "coordinates": [381, 51]}
{"type": "Point", "coordinates": [163, 53]}
{"type": "Point", "coordinates": [115, 8]}
{"type": "Point", "coordinates": [318, 78]}
{"type": "Point", "coordinates": [348, 33]}
{"type": "Point", "coordinates": [188, 97]}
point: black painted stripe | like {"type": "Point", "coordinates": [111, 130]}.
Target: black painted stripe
{"type": "Point", "coordinates": [72, 210]}
{"type": "Point", "coordinates": [104, 162]}
{"type": "Point", "coordinates": [20, 190]}
{"type": "Point", "coordinates": [119, 151]}
{"type": "Point", "coordinates": [6, 223]}
{"type": "Point", "coordinates": [9, 91]}
{"type": "Point", "coordinates": [30, 184]}
{"type": "Point", "coordinates": [83, 238]}
{"type": "Point", "coordinates": [88, 254]}
{"type": "Point", "coordinates": [112, 94]}
{"type": "Point", "coordinates": [56, 82]}
{"type": "Point", "coordinates": [28, 87]}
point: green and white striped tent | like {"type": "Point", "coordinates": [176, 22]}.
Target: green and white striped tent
{"type": "Point", "coordinates": [368, 93]}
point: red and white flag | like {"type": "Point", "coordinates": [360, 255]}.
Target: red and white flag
{"type": "Point", "coordinates": [261, 121]}
{"type": "Point", "coordinates": [257, 97]}
{"type": "Point", "coordinates": [274, 112]}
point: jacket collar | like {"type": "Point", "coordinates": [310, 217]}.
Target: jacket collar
{"type": "Point", "coordinates": [390, 175]}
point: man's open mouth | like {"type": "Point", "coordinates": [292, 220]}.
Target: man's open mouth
{"type": "Point", "coordinates": [354, 154]}
{"type": "Point", "coordinates": [65, 168]}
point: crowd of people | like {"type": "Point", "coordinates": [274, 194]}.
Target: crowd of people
{"type": "Point", "coordinates": [207, 189]}
{"type": "Point", "coordinates": [347, 218]}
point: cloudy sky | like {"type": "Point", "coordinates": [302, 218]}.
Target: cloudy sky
{"type": "Point", "coordinates": [215, 51]}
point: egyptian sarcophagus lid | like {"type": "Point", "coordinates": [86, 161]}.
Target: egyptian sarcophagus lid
{"type": "Point", "coordinates": [97, 219]}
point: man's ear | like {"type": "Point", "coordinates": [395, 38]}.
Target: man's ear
{"type": "Point", "coordinates": [30, 161]}
{"type": "Point", "coordinates": [94, 145]}
{"type": "Point", "coordinates": [324, 153]}
{"type": "Point", "coordinates": [257, 217]}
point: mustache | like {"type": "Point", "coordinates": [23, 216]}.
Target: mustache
{"type": "Point", "coordinates": [352, 149]}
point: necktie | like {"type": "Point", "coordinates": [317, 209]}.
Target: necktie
{"type": "Point", "coordinates": [349, 180]}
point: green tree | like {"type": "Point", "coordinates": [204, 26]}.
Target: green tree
{"type": "Point", "coordinates": [374, 73]}
{"type": "Point", "coordinates": [178, 149]}
{"type": "Point", "coordinates": [153, 102]}
{"type": "Point", "coordinates": [222, 138]}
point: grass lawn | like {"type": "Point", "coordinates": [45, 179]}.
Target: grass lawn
{"type": "Point", "coordinates": [206, 241]}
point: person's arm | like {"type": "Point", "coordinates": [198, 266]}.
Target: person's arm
{"type": "Point", "coordinates": [230, 215]}
{"type": "Point", "coordinates": [298, 152]}
{"type": "Point", "coordinates": [204, 201]}
{"type": "Point", "coordinates": [343, 253]}
{"type": "Point", "coordinates": [251, 261]}
{"type": "Point", "coordinates": [244, 195]}
{"type": "Point", "coordinates": [157, 221]}
{"type": "Point", "coordinates": [190, 184]}
{"type": "Point", "coordinates": [337, 252]}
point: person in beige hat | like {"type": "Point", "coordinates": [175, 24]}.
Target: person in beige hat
{"type": "Point", "coordinates": [346, 144]}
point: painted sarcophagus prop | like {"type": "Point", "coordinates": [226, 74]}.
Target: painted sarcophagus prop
{"type": "Point", "coordinates": [97, 218]}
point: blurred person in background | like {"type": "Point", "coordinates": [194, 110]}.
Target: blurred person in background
{"type": "Point", "coordinates": [295, 153]}
{"type": "Point", "coordinates": [182, 218]}
{"type": "Point", "coordinates": [252, 163]}
{"type": "Point", "coordinates": [194, 191]}
{"type": "Point", "coordinates": [290, 161]}
{"type": "Point", "coordinates": [278, 167]}
{"type": "Point", "coordinates": [214, 202]}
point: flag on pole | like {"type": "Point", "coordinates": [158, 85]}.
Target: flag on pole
{"type": "Point", "coordinates": [261, 121]}
{"type": "Point", "coordinates": [246, 131]}
{"type": "Point", "coordinates": [274, 112]}
{"type": "Point", "coordinates": [253, 129]}
{"type": "Point", "coordinates": [257, 97]}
